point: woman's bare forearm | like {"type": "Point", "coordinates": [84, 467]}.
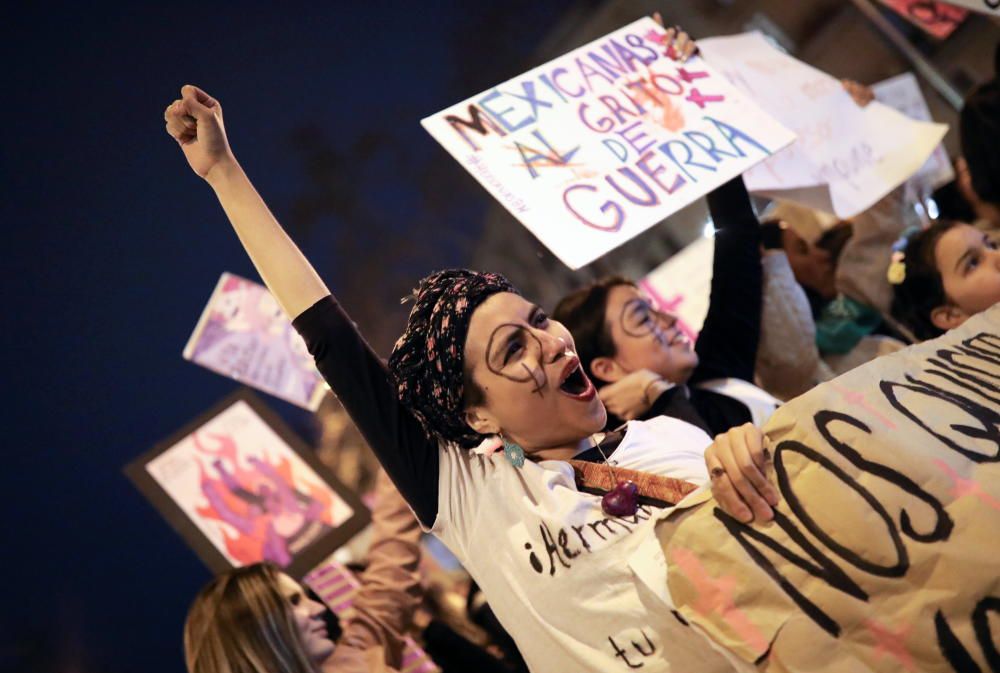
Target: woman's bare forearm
{"type": "Point", "coordinates": [285, 270]}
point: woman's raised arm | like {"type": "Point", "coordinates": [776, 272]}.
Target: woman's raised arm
{"type": "Point", "coordinates": [354, 371]}
{"type": "Point", "coordinates": [195, 122]}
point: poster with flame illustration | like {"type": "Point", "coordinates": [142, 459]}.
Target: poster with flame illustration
{"type": "Point", "coordinates": [241, 487]}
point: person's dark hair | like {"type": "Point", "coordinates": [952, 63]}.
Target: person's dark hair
{"type": "Point", "coordinates": [582, 312]}
{"type": "Point", "coordinates": [979, 129]}
{"type": "Point", "coordinates": [771, 234]}
{"type": "Point", "coordinates": [922, 290]}
{"type": "Point", "coordinates": [428, 361]}
{"type": "Point", "coordinates": [952, 204]}
{"type": "Point", "coordinates": [834, 239]}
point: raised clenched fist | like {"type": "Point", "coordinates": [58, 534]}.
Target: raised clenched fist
{"type": "Point", "coordinates": [195, 122]}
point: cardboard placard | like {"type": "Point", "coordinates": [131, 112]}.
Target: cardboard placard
{"type": "Point", "coordinates": [883, 555]}
{"type": "Point", "coordinates": [902, 93]}
{"type": "Point", "coordinates": [598, 145]}
{"type": "Point", "coordinates": [846, 158]}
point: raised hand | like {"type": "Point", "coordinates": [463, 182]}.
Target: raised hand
{"type": "Point", "coordinates": [195, 122]}
{"type": "Point", "coordinates": [861, 95]}
{"type": "Point", "coordinates": [677, 43]}
{"type": "Point", "coordinates": [738, 463]}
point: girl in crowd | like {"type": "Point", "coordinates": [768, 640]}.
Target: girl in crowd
{"type": "Point", "coordinates": [950, 271]}
{"type": "Point", "coordinates": [942, 276]}
{"type": "Point", "coordinates": [481, 367]}
{"type": "Point", "coordinates": [256, 619]}
{"type": "Point", "coordinates": [641, 351]}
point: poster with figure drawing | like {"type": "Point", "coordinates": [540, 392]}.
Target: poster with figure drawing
{"type": "Point", "coordinates": [244, 334]}
{"type": "Point", "coordinates": [242, 488]}
{"type": "Point", "coordinates": [883, 553]}
{"type": "Point", "coordinates": [846, 158]}
{"type": "Point", "coordinates": [598, 145]}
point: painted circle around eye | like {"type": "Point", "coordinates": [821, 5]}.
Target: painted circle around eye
{"type": "Point", "coordinates": [644, 328]}
{"type": "Point", "coordinates": [489, 348]}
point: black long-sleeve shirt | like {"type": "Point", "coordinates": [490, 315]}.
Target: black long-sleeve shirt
{"type": "Point", "coordinates": [361, 381]}
{"type": "Point", "coordinates": [727, 343]}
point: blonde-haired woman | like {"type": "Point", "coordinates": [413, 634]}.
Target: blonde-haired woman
{"type": "Point", "coordinates": [256, 619]}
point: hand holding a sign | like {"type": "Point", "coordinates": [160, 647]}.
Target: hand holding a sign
{"type": "Point", "coordinates": [677, 43]}
{"type": "Point", "coordinates": [860, 93]}
{"type": "Point", "coordinates": [195, 122]}
{"type": "Point", "coordinates": [738, 462]}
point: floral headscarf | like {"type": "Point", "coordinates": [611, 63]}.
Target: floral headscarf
{"type": "Point", "coordinates": [428, 361]}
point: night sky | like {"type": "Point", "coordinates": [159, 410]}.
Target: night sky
{"type": "Point", "coordinates": [117, 246]}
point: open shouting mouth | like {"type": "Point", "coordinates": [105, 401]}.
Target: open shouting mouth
{"type": "Point", "coordinates": [574, 382]}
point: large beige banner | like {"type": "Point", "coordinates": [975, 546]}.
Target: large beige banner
{"type": "Point", "coordinates": [885, 551]}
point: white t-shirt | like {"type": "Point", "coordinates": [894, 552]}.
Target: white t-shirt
{"type": "Point", "coordinates": [577, 590]}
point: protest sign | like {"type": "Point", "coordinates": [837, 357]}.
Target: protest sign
{"type": "Point", "coordinates": [682, 285]}
{"type": "Point", "coordinates": [594, 147]}
{"type": "Point", "coordinates": [902, 93]}
{"type": "Point", "coordinates": [244, 334]}
{"type": "Point", "coordinates": [983, 6]}
{"type": "Point", "coordinates": [883, 554]}
{"type": "Point", "coordinates": [846, 158]}
{"type": "Point", "coordinates": [240, 487]}
{"type": "Point", "coordinates": [939, 19]}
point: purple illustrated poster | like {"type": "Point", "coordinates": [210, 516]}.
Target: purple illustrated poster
{"type": "Point", "coordinates": [244, 334]}
{"type": "Point", "coordinates": [242, 488]}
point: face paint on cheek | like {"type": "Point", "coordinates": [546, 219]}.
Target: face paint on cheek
{"type": "Point", "coordinates": [539, 385]}
{"type": "Point", "coordinates": [662, 323]}
{"type": "Point", "coordinates": [539, 381]}
{"type": "Point", "coordinates": [659, 336]}
{"type": "Point", "coordinates": [542, 379]}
